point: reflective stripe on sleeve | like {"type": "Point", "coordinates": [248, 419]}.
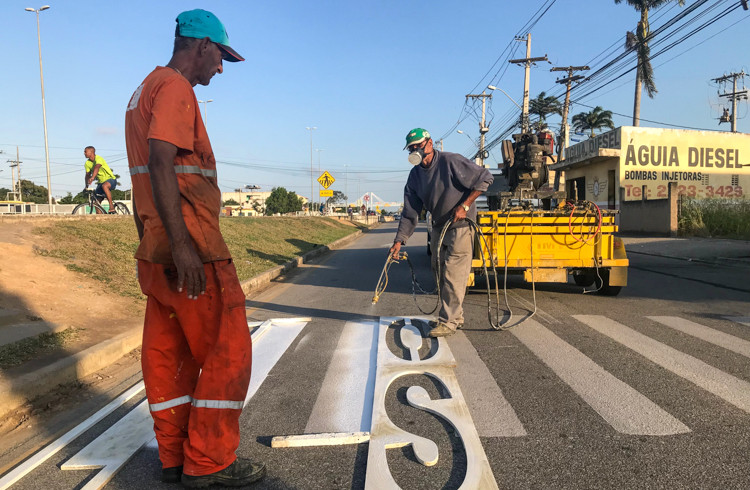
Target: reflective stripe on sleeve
{"type": "Point", "coordinates": [179, 169]}
{"type": "Point", "coordinates": [175, 402]}
{"type": "Point", "coordinates": [234, 405]}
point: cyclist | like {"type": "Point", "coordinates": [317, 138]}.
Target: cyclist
{"type": "Point", "coordinates": [97, 168]}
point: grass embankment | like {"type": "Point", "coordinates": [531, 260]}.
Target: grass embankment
{"type": "Point", "coordinates": [728, 218]}
{"type": "Point", "coordinates": [103, 249]}
{"type": "Point", "coordinates": [19, 352]}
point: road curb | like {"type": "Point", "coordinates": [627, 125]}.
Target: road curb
{"type": "Point", "coordinates": [99, 356]}
{"type": "Point", "coordinates": [66, 370]}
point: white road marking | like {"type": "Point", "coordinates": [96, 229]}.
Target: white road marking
{"type": "Point", "coordinates": [27, 466]}
{"type": "Point", "coordinates": [745, 320]}
{"type": "Point", "coordinates": [344, 403]}
{"type": "Point", "coordinates": [711, 379]}
{"type": "Point", "coordinates": [386, 435]}
{"type": "Point", "coordinates": [624, 408]}
{"type": "Point", "coordinates": [552, 320]}
{"type": "Point", "coordinates": [111, 450]}
{"type": "Point", "coordinates": [275, 342]}
{"type": "Point", "coordinates": [729, 342]}
{"type": "Point", "coordinates": [492, 414]}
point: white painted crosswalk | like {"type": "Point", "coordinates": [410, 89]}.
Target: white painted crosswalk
{"type": "Point", "coordinates": [624, 408]}
{"type": "Point", "coordinates": [727, 387]}
{"type": "Point", "coordinates": [345, 399]}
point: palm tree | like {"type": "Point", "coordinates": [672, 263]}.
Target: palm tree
{"type": "Point", "coordinates": [644, 74]}
{"type": "Point", "coordinates": [597, 118]}
{"type": "Point", "coordinates": [542, 106]}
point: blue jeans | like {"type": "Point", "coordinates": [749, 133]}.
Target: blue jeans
{"type": "Point", "coordinates": [99, 192]}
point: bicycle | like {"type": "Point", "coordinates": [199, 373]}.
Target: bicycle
{"type": "Point", "coordinates": [93, 206]}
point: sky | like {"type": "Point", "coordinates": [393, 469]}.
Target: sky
{"type": "Point", "coordinates": [363, 73]}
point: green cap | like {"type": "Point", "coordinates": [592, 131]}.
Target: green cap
{"type": "Point", "coordinates": [202, 23]}
{"type": "Point", "coordinates": [416, 135]}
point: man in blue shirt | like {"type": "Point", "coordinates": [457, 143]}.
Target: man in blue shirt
{"type": "Point", "coordinates": [446, 185]}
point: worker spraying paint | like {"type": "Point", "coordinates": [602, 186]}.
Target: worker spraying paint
{"type": "Point", "coordinates": [446, 185]}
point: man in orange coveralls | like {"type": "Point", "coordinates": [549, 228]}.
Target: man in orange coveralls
{"type": "Point", "coordinates": [196, 343]}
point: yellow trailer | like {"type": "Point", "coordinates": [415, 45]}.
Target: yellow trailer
{"type": "Point", "coordinates": [550, 245]}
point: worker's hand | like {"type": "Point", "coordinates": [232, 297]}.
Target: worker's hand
{"type": "Point", "coordinates": [395, 249]}
{"type": "Point", "coordinates": [190, 274]}
{"type": "Point", "coordinates": [459, 213]}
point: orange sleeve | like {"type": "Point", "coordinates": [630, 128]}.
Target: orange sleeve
{"type": "Point", "coordinates": [173, 114]}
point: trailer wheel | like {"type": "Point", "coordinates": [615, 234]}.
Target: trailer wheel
{"type": "Point", "coordinates": [584, 280]}
{"type": "Point", "coordinates": [606, 289]}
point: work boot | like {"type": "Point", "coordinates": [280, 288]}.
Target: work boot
{"type": "Point", "coordinates": [433, 324]}
{"type": "Point", "coordinates": [441, 330]}
{"type": "Point", "coordinates": [171, 475]}
{"type": "Point", "coordinates": [238, 474]}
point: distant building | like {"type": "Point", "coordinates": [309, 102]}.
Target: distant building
{"type": "Point", "coordinates": [249, 201]}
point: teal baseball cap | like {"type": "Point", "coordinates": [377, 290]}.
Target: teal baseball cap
{"type": "Point", "coordinates": [199, 24]}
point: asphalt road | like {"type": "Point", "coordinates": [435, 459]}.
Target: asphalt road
{"type": "Point", "coordinates": [649, 389]}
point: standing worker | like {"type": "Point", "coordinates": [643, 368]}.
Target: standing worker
{"type": "Point", "coordinates": [196, 345]}
{"type": "Point", "coordinates": [446, 185]}
{"type": "Point", "coordinates": [97, 168]}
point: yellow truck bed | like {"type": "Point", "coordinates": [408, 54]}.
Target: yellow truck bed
{"type": "Point", "coordinates": [553, 244]}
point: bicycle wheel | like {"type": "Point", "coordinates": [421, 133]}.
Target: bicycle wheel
{"type": "Point", "coordinates": [87, 208]}
{"type": "Point", "coordinates": [121, 208]}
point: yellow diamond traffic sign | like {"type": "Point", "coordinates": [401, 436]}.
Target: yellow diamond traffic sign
{"type": "Point", "coordinates": [326, 180]}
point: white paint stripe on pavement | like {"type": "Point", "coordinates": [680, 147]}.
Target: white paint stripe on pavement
{"type": "Point", "coordinates": [27, 466]}
{"type": "Point", "coordinates": [624, 408]}
{"type": "Point", "coordinates": [492, 414]}
{"type": "Point", "coordinates": [711, 379]}
{"type": "Point", "coordinates": [275, 342]}
{"type": "Point", "coordinates": [111, 450]}
{"type": "Point", "coordinates": [344, 403]}
{"type": "Point", "coordinates": [745, 320]}
{"type": "Point", "coordinates": [549, 319]}
{"type": "Point", "coordinates": [729, 342]}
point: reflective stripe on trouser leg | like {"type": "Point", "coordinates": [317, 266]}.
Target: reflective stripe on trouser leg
{"type": "Point", "coordinates": [215, 327]}
{"type": "Point", "coordinates": [455, 257]}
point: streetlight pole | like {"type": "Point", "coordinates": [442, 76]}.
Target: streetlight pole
{"type": "Point", "coordinates": [205, 111]}
{"type": "Point", "coordinates": [311, 129]}
{"type": "Point", "coordinates": [44, 107]}
{"type": "Point", "coordinates": [472, 141]}
{"type": "Point", "coordinates": [318, 150]}
{"type": "Point", "coordinates": [346, 186]}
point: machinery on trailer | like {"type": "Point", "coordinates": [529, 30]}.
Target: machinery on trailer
{"type": "Point", "coordinates": [534, 230]}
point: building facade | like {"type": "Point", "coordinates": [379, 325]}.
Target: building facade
{"type": "Point", "coordinates": [638, 163]}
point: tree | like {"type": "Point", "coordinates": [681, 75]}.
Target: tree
{"type": "Point", "coordinates": [338, 197]}
{"type": "Point", "coordinates": [230, 202]}
{"type": "Point", "coordinates": [282, 201]}
{"type": "Point", "coordinates": [543, 106]}
{"type": "Point", "coordinates": [597, 118]}
{"type": "Point", "coordinates": [31, 192]}
{"type": "Point", "coordinates": [644, 74]}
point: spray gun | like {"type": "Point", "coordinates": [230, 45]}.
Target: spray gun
{"type": "Point", "coordinates": [383, 281]}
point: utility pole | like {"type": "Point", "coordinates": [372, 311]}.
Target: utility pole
{"type": "Point", "coordinates": [527, 62]}
{"type": "Point", "coordinates": [482, 128]}
{"type": "Point", "coordinates": [16, 163]}
{"type": "Point", "coordinates": [734, 96]}
{"type": "Point", "coordinates": [564, 133]}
